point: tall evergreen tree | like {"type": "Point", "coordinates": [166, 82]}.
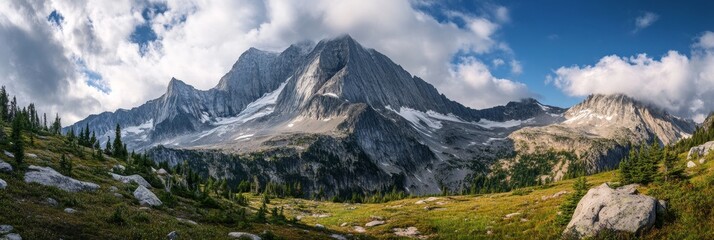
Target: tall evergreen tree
{"type": "Point", "coordinates": [118, 146]}
{"type": "Point", "coordinates": [18, 146]}
{"type": "Point", "coordinates": [57, 125]}
{"type": "Point", "coordinates": [108, 148]}
{"type": "Point", "coordinates": [13, 108]}
{"type": "Point", "coordinates": [4, 108]}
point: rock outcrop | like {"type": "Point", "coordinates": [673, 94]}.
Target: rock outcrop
{"type": "Point", "coordinates": [243, 235]}
{"type": "Point", "coordinates": [131, 179]}
{"type": "Point", "coordinates": [621, 209]}
{"type": "Point", "coordinates": [599, 131]}
{"type": "Point", "coordinates": [5, 167]}
{"type": "Point", "coordinates": [146, 197]}
{"type": "Point", "coordinates": [701, 150]}
{"type": "Point", "coordinates": [49, 177]}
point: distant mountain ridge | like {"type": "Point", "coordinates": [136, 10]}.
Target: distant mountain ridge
{"type": "Point", "coordinates": [601, 128]}
{"type": "Point", "coordinates": [327, 114]}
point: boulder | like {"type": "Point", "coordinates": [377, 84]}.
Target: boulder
{"type": "Point", "coordinates": [5, 167]}
{"type": "Point", "coordinates": [172, 235]}
{"type": "Point", "coordinates": [3, 184]}
{"type": "Point", "coordinates": [700, 150]}
{"type": "Point", "coordinates": [374, 223]}
{"type": "Point", "coordinates": [186, 221]}
{"type": "Point", "coordinates": [113, 189]}
{"type": "Point", "coordinates": [118, 195]}
{"type": "Point", "coordinates": [556, 195]}
{"type": "Point", "coordinates": [11, 236]}
{"type": "Point", "coordinates": [161, 171]}
{"type": "Point", "coordinates": [319, 226]}
{"type": "Point", "coordinates": [243, 235]}
{"type": "Point", "coordinates": [621, 209]}
{"type": "Point", "coordinates": [31, 155]}
{"type": "Point", "coordinates": [118, 168]}
{"type": "Point", "coordinates": [5, 229]}
{"type": "Point", "coordinates": [70, 210]}
{"type": "Point", "coordinates": [691, 164]}
{"type": "Point", "coordinates": [359, 229]}
{"type": "Point", "coordinates": [406, 232]}
{"type": "Point", "coordinates": [338, 236]}
{"type": "Point", "coordinates": [146, 197]}
{"type": "Point", "coordinates": [49, 177]}
{"type": "Point", "coordinates": [52, 202]}
{"type": "Point", "coordinates": [129, 179]}
{"type": "Point", "coordinates": [9, 154]}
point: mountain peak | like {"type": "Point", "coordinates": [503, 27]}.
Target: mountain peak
{"type": "Point", "coordinates": [177, 86]}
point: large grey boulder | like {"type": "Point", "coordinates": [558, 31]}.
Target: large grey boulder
{"type": "Point", "coordinates": [3, 184]}
{"type": "Point", "coordinates": [11, 236]}
{"type": "Point", "coordinates": [146, 197]}
{"type": "Point", "coordinates": [5, 229]}
{"type": "Point", "coordinates": [700, 150]}
{"type": "Point", "coordinates": [129, 179]}
{"type": "Point", "coordinates": [621, 209]}
{"type": "Point", "coordinates": [5, 167]}
{"type": "Point", "coordinates": [49, 177]}
{"type": "Point", "coordinates": [243, 235]}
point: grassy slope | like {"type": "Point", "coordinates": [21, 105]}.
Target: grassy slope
{"type": "Point", "coordinates": [24, 206]}
{"type": "Point", "coordinates": [458, 217]}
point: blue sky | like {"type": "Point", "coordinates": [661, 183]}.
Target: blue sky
{"type": "Point", "coordinates": [546, 35]}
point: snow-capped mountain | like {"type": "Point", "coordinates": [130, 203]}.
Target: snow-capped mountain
{"type": "Point", "coordinates": [328, 114]}
{"type": "Point", "coordinates": [600, 130]}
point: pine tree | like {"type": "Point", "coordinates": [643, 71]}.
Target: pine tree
{"type": "Point", "coordinates": [66, 165]}
{"type": "Point", "coordinates": [4, 108]}
{"type": "Point", "coordinates": [13, 108]}
{"type": "Point", "coordinates": [108, 148]}
{"type": "Point", "coordinates": [93, 141]}
{"type": "Point", "coordinates": [57, 125]}
{"type": "Point", "coordinates": [18, 146]}
{"type": "Point", "coordinates": [260, 215]}
{"type": "Point", "coordinates": [118, 145]}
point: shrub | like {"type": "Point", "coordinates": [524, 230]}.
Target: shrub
{"type": "Point", "coordinates": [567, 208]}
{"type": "Point", "coordinates": [117, 218]}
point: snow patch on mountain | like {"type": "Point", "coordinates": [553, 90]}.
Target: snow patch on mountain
{"type": "Point", "coordinates": [331, 95]}
{"type": "Point", "coordinates": [426, 121]}
{"type": "Point", "coordinates": [485, 123]}
{"type": "Point", "coordinates": [261, 107]}
{"type": "Point", "coordinates": [588, 114]}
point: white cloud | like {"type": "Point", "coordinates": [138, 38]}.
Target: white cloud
{"type": "Point", "coordinates": [645, 20]}
{"type": "Point", "coordinates": [516, 67]}
{"type": "Point", "coordinates": [497, 62]}
{"type": "Point", "coordinates": [681, 84]}
{"type": "Point", "coordinates": [198, 41]}
{"type": "Point", "coordinates": [706, 41]}
{"type": "Point", "coordinates": [472, 84]}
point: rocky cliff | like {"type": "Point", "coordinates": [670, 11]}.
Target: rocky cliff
{"type": "Point", "coordinates": [336, 102]}
{"type": "Point", "coordinates": [600, 130]}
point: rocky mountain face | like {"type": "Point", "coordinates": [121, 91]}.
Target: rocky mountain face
{"type": "Point", "coordinates": [599, 131]}
{"type": "Point", "coordinates": [334, 116]}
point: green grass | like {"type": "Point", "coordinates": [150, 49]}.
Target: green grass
{"type": "Point", "coordinates": [101, 215]}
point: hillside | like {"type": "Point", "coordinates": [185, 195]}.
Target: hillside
{"type": "Point", "coordinates": [522, 213]}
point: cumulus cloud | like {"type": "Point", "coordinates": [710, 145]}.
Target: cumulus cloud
{"type": "Point", "coordinates": [103, 55]}
{"type": "Point", "coordinates": [473, 84]}
{"type": "Point", "coordinates": [680, 84]}
{"type": "Point", "coordinates": [645, 20]}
